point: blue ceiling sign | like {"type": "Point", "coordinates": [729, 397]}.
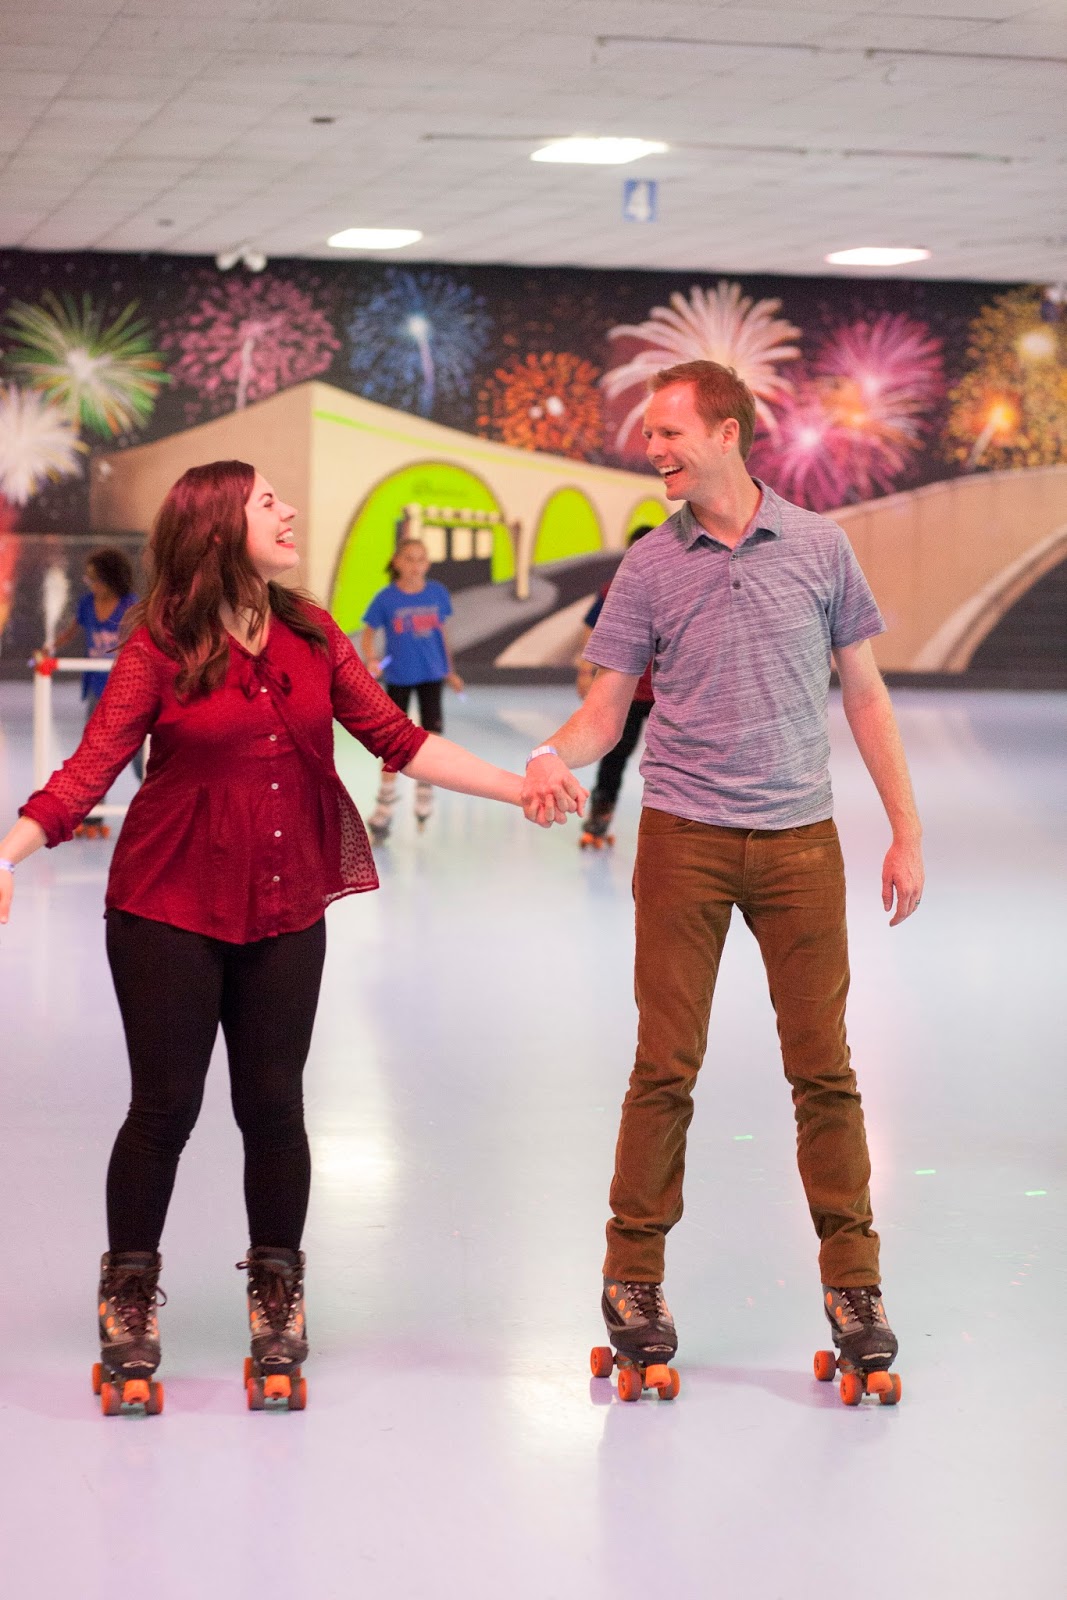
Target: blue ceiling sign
{"type": "Point", "coordinates": [639, 199]}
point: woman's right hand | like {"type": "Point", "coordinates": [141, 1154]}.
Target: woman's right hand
{"type": "Point", "coordinates": [7, 889]}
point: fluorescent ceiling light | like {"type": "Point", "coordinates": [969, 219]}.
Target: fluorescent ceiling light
{"type": "Point", "coordinates": [875, 255]}
{"type": "Point", "coordinates": [374, 238]}
{"type": "Point", "coordinates": [598, 152]}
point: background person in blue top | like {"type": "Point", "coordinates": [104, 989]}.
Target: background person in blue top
{"type": "Point", "coordinates": [109, 584]}
{"type": "Point", "coordinates": [413, 612]}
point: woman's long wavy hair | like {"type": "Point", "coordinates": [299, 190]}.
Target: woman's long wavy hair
{"type": "Point", "coordinates": [198, 553]}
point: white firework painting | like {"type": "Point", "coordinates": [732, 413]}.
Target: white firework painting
{"type": "Point", "coordinates": [38, 444]}
{"type": "Point", "coordinates": [720, 324]}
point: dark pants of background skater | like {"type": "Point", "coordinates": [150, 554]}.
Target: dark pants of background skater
{"type": "Point", "coordinates": [174, 988]}
{"type": "Point", "coordinates": [789, 886]}
{"type": "Point", "coordinates": [428, 695]}
{"type": "Point", "coordinates": [610, 771]}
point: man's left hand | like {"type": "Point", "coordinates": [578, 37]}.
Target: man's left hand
{"type": "Point", "coordinates": [902, 878]}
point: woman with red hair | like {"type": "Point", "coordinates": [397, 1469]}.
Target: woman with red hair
{"type": "Point", "coordinates": [240, 836]}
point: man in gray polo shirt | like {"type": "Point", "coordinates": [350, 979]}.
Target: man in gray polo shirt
{"type": "Point", "coordinates": [739, 600]}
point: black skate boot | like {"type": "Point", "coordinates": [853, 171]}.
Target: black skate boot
{"type": "Point", "coordinates": [127, 1298]}
{"type": "Point", "coordinates": [865, 1344]}
{"type": "Point", "coordinates": [279, 1332]}
{"type": "Point", "coordinates": [595, 829]}
{"type": "Point", "coordinates": [641, 1328]}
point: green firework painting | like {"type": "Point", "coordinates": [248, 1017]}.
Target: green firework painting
{"type": "Point", "coordinates": [105, 378]}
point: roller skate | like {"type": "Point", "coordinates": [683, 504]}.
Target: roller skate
{"type": "Point", "coordinates": [129, 1334]}
{"type": "Point", "coordinates": [94, 827]}
{"type": "Point", "coordinates": [595, 835]}
{"type": "Point", "coordinates": [273, 1381]}
{"type": "Point", "coordinates": [381, 818]}
{"type": "Point", "coordinates": [865, 1346]}
{"type": "Point", "coordinates": [423, 804]}
{"type": "Point", "coordinates": [641, 1328]}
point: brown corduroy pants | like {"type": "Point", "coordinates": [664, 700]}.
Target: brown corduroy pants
{"type": "Point", "coordinates": [789, 886]}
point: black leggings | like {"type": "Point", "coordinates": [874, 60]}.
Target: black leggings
{"type": "Point", "coordinates": [429, 698]}
{"type": "Point", "coordinates": [610, 771]}
{"type": "Point", "coordinates": [174, 988]}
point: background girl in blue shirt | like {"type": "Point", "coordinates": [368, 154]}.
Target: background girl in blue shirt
{"type": "Point", "coordinates": [109, 583]}
{"type": "Point", "coordinates": [413, 612]}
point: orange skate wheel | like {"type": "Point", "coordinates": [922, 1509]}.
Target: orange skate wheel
{"type": "Point", "coordinates": [656, 1375]}
{"type": "Point", "coordinates": [136, 1392]}
{"type": "Point", "coordinates": [879, 1383]}
{"type": "Point", "coordinates": [254, 1394]}
{"type": "Point", "coordinates": [277, 1387]}
{"type": "Point", "coordinates": [98, 1376]}
{"type": "Point", "coordinates": [825, 1365]}
{"type": "Point", "coordinates": [601, 1361]}
{"type": "Point", "coordinates": [110, 1399]}
{"type": "Point", "coordinates": [298, 1399]}
{"type": "Point", "coordinates": [630, 1383]}
{"type": "Point", "coordinates": [891, 1396]}
{"type": "Point", "coordinates": [248, 1368]}
{"type": "Point", "coordinates": [155, 1399]}
{"type": "Point", "coordinates": [851, 1388]}
{"type": "Point", "coordinates": [672, 1387]}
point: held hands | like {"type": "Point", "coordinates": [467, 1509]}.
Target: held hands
{"type": "Point", "coordinates": [550, 790]}
{"type": "Point", "coordinates": [903, 877]}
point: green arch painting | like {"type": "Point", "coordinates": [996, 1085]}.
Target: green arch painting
{"type": "Point", "coordinates": [371, 538]}
{"type": "Point", "coordinates": [569, 527]}
{"type": "Point", "coordinates": [647, 514]}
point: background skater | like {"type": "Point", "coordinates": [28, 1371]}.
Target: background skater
{"type": "Point", "coordinates": [740, 598]}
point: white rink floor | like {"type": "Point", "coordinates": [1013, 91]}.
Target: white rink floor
{"type": "Point", "coordinates": [472, 1048]}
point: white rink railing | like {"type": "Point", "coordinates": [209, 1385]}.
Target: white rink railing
{"type": "Point", "coordinates": [44, 751]}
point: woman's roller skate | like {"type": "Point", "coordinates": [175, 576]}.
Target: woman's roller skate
{"type": "Point", "coordinates": [279, 1334]}
{"type": "Point", "coordinates": [641, 1328]}
{"type": "Point", "coordinates": [129, 1334]}
{"type": "Point", "coordinates": [423, 804]}
{"type": "Point", "coordinates": [381, 818]}
{"type": "Point", "coordinates": [595, 834]}
{"type": "Point", "coordinates": [865, 1346]}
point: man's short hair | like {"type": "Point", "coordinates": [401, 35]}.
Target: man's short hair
{"type": "Point", "coordinates": [720, 393]}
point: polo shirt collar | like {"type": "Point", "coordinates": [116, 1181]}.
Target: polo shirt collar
{"type": "Point", "coordinates": [767, 519]}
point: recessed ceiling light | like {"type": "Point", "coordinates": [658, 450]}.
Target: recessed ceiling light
{"type": "Point", "coordinates": [374, 238]}
{"type": "Point", "coordinates": [598, 152]}
{"type": "Point", "coordinates": [875, 255]}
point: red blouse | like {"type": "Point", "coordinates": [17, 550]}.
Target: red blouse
{"type": "Point", "coordinates": [242, 828]}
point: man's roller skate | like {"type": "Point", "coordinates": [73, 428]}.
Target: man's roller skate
{"type": "Point", "coordinates": [273, 1381]}
{"type": "Point", "coordinates": [595, 829]}
{"type": "Point", "coordinates": [381, 818]}
{"type": "Point", "coordinates": [423, 804]}
{"type": "Point", "coordinates": [865, 1346]}
{"type": "Point", "coordinates": [94, 827]}
{"type": "Point", "coordinates": [129, 1334]}
{"type": "Point", "coordinates": [642, 1331]}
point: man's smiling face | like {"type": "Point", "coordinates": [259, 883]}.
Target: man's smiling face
{"type": "Point", "coordinates": [688, 455]}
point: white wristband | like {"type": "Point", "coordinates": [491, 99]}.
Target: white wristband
{"type": "Point", "coordinates": [6, 865]}
{"type": "Point", "coordinates": [542, 750]}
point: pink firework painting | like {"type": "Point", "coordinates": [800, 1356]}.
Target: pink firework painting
{"type": "Point", "coordinates": [850, 430]}
{"type": "Point", "coordinates": [242, 339]}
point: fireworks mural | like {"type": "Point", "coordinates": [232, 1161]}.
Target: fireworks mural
{"type": "Point", "coordinates": [241, 339]}
{"type": "Point", "coordinates": [544, 402]}
{"type": "Point", "coordinates": [855, 420]}
{"type": "Point", "coordinates": [417, 339]}
{"type": "Point", "coordinates": [721, 324]}
{"type": "Point", "coordinates": [104, 377]}
{"type": "Point", "coordinates": [1010, 408]}
{"type": "Point", "coordinates": [38, 444]}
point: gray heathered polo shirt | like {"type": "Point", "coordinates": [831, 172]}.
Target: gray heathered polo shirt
{"type": "Point", "coordinates": [740, 643]}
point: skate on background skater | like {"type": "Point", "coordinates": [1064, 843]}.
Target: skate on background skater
{"type": "Point", "coordinates": [738, 812]}
{"type": "Point", "coordinates": [240, 700]}
{"type": "Point", "coordinates": [412, 611]}
{"type": "Point", "coordinates": [596, 833]}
